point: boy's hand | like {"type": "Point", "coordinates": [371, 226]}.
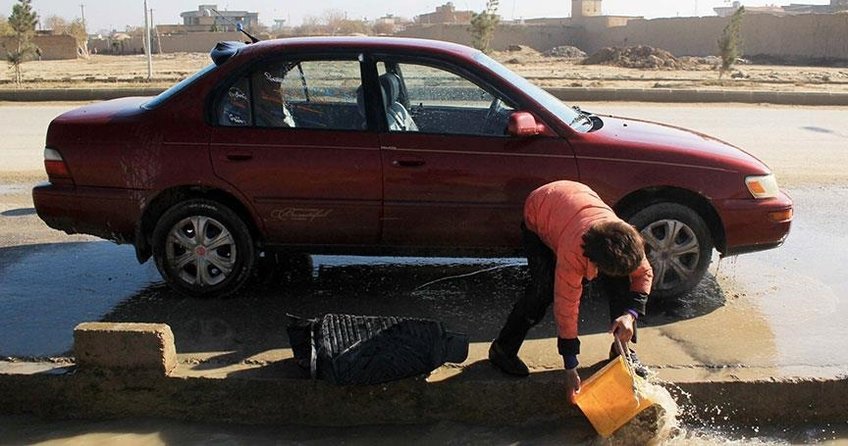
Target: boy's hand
{"type": "Point", "coordinates": [622, 328]}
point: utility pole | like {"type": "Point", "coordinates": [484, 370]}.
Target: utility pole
{"type": "Point", "coordinates": [82, 12]}
{"type": "Point", "coordinates": [147, 44]}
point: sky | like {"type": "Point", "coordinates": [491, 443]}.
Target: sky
{"type": "Point", "coordinates": [117, 14]}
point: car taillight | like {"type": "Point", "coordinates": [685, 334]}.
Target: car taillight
{"type": "Point", "coordinates": [55, 165]}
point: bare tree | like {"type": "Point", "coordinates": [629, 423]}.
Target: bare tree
{"type": "Point", "coordinates": [58, 26]}
{"type": "Point", "coordinates": [383, 28]}
{"type": "Point", "coordinates": [334, 20]}
{"type": "Point", "coordinates": [311, 26]}
{"type": "Point", "coordinates": [730, 42]}
{"type": "Point", "coordinates": [5, 29]}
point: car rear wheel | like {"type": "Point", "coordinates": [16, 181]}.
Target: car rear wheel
{"type": "Point", "coordinates": [678, 245]}
{"type": "Point", "coordinates": [203, 249]}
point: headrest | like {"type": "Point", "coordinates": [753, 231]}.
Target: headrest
{"type": "Point", "coordinates": [390, 83]}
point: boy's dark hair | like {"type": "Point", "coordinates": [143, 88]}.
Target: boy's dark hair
{"type": "Point", "coordinates": [615, 247]}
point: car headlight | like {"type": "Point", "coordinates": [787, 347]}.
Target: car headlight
{"type": "Point", "coordinates": [762, 186]}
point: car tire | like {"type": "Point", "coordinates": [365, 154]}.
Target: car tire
{"type": "Point", "coordinates": [678, 245]}
{"type": "Point", "coordinates": [213, 265]}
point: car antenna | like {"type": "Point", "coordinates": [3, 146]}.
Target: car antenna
{"type": "Point", "coordinates": [238, 26]}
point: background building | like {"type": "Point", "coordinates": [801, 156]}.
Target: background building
{"type": "Point", "coordinates": [446, 13]}
{"type": "Point", "coordinates": [206, 19]}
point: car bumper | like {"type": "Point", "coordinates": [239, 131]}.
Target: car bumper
{"type": "Point", "coordinates": [107, 213]}
{"type": "Point", "coordinates": [755, 225]}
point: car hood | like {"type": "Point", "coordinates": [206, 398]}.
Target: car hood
{"type": "Point", "coordinates": [667, 141]}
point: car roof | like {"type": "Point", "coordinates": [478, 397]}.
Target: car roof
{"type": "Point", "coordinates": [402, 44]}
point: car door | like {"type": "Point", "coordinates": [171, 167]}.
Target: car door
{"type": "Point", "coordinates": [453, 177]}
{"type": "Point", "coordinates": [290, 136]}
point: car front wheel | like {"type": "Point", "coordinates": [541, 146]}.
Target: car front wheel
{"type": "Point", "coordinates": [678, 245]}
{"type": "Point", "coordinates": [203, 249]}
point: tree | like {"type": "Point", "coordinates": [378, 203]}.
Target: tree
{"type": "Point", "coordinates": [730, 42]}
{"type": "Point", "coordinates": [334, 20]}
{"type": "Point", "coordinates": [311, 26]}
{"type": "Point", "coordinates": [483, 26]}
{"type": "Point", "coordinates": [383, 28]}
{"type": "Point", "coordinates": [77, 30]}
{"type": "Point", "coordinates": [5, 28]}
{"type": "Point", "coordinates": [22, 21]}
{"type": "Point", "coordinates": [58, 26]}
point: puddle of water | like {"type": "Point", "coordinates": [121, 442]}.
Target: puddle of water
{"type": "Point", "coordinates": [49, 289]}
{"type": "Point", "coordinates": [801, 287]}
{"type": "Point", "coordinates": [150, 432]}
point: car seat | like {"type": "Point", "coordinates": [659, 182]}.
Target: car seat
{"type": "Point", "coordinates": [397, 116]}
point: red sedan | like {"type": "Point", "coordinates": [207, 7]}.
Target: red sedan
{"type": "Point", "coordinates": [381, 146]}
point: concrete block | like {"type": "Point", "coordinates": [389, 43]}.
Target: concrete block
{"type": "Point", "coordinates": [126, 346]}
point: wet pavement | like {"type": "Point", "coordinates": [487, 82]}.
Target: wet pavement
{"type": "Point", "coordinates": [772, 314]}
{"type": "Point", "coordinates": [15, 430]}
{"type": "Point", "coordinates": [778, 311]}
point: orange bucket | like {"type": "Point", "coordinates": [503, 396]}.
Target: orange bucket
{"type": "Point", "coordinates": [610, 398]}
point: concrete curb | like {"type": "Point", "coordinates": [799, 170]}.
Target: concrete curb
{"type": "Point", "coordinates": [577, 94]}
{"type": "Point", "coordinates": [473, 396]}
{"type": "Point", "coordinates": [75, 94]}
{"type": "Point", "coordinates": [568, 94]}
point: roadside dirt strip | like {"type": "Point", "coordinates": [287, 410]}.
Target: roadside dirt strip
{"type": "Point", "coordinates": [571, 94]}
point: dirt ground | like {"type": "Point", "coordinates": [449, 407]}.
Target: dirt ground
{"type": "Point", "coordinates": [104, 71]}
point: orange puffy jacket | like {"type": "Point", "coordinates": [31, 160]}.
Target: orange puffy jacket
{"type": "Point", "coordinates": [560, 213]}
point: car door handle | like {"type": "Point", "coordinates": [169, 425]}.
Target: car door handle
{"type": "Point", "coordinates": [239, 156]}
{"type": "Point", "coordinates": [408, 163]}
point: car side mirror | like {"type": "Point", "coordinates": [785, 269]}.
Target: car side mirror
{"type": "Point", "coordinates": [524, 124]}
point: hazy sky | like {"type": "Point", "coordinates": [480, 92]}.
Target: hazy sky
{"type": "Point", "coordinates": [109, 14]}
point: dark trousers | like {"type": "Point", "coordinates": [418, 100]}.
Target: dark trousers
{"type": "Point", "coordinates": [539, 294]}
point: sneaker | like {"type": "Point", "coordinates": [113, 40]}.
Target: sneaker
{"type": "Point", "coordinates": [638, 368]}
{"type": "Point", "coordinates": [511, 365]}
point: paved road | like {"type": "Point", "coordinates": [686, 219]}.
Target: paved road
{"type": "Point", "coordinates": [772, 313]}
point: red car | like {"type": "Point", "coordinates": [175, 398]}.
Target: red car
{"type": "Point", "coordinates": [381, 146]}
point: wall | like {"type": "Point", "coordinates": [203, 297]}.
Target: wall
{"type": "Point", "coordinates": [540, 37]}
{"type": "Point", "coordinates": [52, 47]}
{"type": "Point", "coordinates": [200, 42]}
{"type": "Point", "coordinates": [806, 37]}
{"type": "Point", "coordinates": [800, 38]}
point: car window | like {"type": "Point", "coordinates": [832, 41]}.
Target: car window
{"type": "Point", "coordinates": [440, 101]}
{"type": "Point", "coordinates": [317, 94]}
{"type": "Point", "coordinates": [272, 108]}
{"type": "Point", "coordinates": [568, 115]}
{"type": "Point", "coordinates": [305, 94]}
{"type": "Point", "coordinates": [234, 108]}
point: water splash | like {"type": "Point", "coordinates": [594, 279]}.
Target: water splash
{"type": "Point", "coordinates": [653, 426]}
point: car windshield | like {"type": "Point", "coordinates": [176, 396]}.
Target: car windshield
{"type": "Point", "coordinates": [576, 120]}
{"type": "Point", "coordinates": [176, 88]}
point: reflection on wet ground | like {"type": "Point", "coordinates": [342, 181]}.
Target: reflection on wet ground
{"type": "Point", "coordinates": [51, 288]}
{"type": "Point", "coordinates": [29, 430]}
{"type": "Point", "coordinates": [801, 288]}
{"type": "Point", "coordinates": [48, 289]}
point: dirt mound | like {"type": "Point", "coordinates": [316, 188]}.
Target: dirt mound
{"type": "Point", "coordinates": [522, 50]}
{"type": "Point", "coordinates": [642, 56]}
{"type": "Point", "coordinates": [567, 52]}
{"type": "Point", "coordinates": [517, 54]}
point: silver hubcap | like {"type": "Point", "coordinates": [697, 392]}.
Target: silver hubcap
{"type": "Point", "coordinates": [673, 251]}
{"type": "Point", "coordinates": [201, 250]}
